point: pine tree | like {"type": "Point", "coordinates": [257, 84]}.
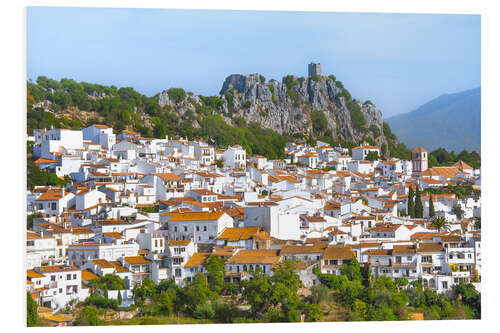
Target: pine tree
{"type": "Point", "coordinates": [411, 203]}
{"type": "Point", "coordinates": [432, 212]}
{"type": "Point", "coordinates": [32, 311]}
{"type": "Point", "coordinates": [120, 299]}
{"type": "Point", "coordinates": [419, 208]}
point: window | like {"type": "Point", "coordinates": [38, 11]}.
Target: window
{"type": "Point", "coordinates": [53, 278]}
{"type": "Point", "coordinates": [427, 259]}
{"type": "Point", "coordinates": [74, 276]}
{"type": "Point", "coordinates": [185, 229]}
{"type": "Point", "coordinates": [445, 284]}
{"type": "Point", "coordinates": [197, 228]}
{"type": "Point", "coordinates": [409, 258]}
{"type": "Point", "coordinates": [68, 277]}
{"type": "Point", "coordinates": [204, 228]}
{"type": "Point", "coordinates": [175, 229]}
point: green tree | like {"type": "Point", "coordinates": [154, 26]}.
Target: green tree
{"type": "Point", "coordinates": [89, 316]}
{"type": "Point", "coordinates": [469, 296]}
{"type": "Point", "coordinates": [31, 217]}
{"type": "Point", "coordinates": [401, 282]}
{"type": "Point", "coordinates": [411, 203]}
{"type": "Point", "coordinates": [458, 211]}
{"type": "Point", "coordinates": [165, 305]}
{"type": "Point", "coordinates": [108, 282]}
{"type": "Point", "coordinates": [477, 223]}
{"type": "Point", "coordinates": [352, 270]}
{"type": "Point", "coordinates": [32, 311]}
{"type": "Point", "coordinates": [432, 212]}
{"type": "Point", "coordinates": [440, 223]}
{"type": "Point", "coordinates": [215, 268]}
{"type": "Point", "coordinates": [196, 292]}
{"type": "Point", "coordinates": [419, 208]}
{"type": "Point", "coordinates": [432, 161]}
{"type": "Point", "coordinates": [372, 156]}
{"type": "Point", "coordinates": [257, 291]}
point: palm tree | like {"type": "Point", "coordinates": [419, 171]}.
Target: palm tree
{"type": "Point", "coordinates": [440, 223]}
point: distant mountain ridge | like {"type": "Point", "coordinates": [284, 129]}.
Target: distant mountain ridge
{"type": "Point", "coordinates": [451, 121]}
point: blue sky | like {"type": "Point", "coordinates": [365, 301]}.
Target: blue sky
{"type": "Point", "coordinates": [399, 61]}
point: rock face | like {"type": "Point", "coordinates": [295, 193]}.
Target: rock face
{"type": "Point", "coordinates": [286, 108]}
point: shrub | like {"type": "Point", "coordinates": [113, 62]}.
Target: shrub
{"type": "Point", "coordinates": [315, 77]}
{"type": "Point", "coordinates": [271, 88]}
{"type": "Point", "coordinates": [375, 130]}
{"type": "Point", "coordinates": [88, 317]}
{"type": "Point", "coordinates": [319, 122]}
{"type": "Point", "coordinates": [176, 94]}
{"type": "Point", "coordinates": [319, 294]}
{"type": "Point", "coordinates": [314, 312]}
{"type": "Point", "coordinates": [357, 118]}
{"type": "Point", "coordinates": [204, 311]}
{"type": "Point", "coordinates": [290, 81]}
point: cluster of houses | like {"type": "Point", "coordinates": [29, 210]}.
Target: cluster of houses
{"type": "Point", "coordinates": [160, 208]}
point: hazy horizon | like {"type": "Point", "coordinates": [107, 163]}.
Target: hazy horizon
{"type": "Point", "coordinates": [399, 61]}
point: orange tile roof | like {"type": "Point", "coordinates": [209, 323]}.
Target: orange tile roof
{"type": "Point", "coordinates": [197, 260]}
{"type": "Point", "coordinates": [54, 269]}
{"type": "Point", "coordinates": [167, 176]}
{"type": "Point", "coordinates": [118, 267]}
{"type": "Point", "coordinates": [255, 257]}
{"type": "Point", "coordinates": [236, 234]}
{"type": "Point", "coordinates": [338, 253]}
{"type": "Point", "coordinates": [103, 263]}
{"type": "Point", "coordinates": [295, 249]}
{"type": "Point", "coordinates": [462, 165]}
{"type": "Point", "coordinates": [430, 247]}
{"type": "Point", "coordinates": [50, 195]}
{"type": "Point", "coordinates": [33, 274]}
{"type": "Point", "coordinates": [44, 160]}
{"type": "Point", "coordinates": [135, 260]}
{"type": "Point", "coordinates": [419, 150]}
{"type": "Point", "coordinates": [87, 275]}
{"type": "Point", "coordinates": [403, 249]}
{"type": "Point", "coordinates": [179, 243]}
{"type": "Point", "coordinates": [194, 216]}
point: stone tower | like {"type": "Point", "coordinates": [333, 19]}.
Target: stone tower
{"type": "Point", "coordinates": [419, 159]}
{"type": "Point", "coordinates": [314, 69]}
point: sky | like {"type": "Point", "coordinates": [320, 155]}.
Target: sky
{"type": "Point", "coordinates": [398, 61]}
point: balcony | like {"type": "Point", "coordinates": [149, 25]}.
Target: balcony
{"type": "Point", "coordinates": [404, 265]}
